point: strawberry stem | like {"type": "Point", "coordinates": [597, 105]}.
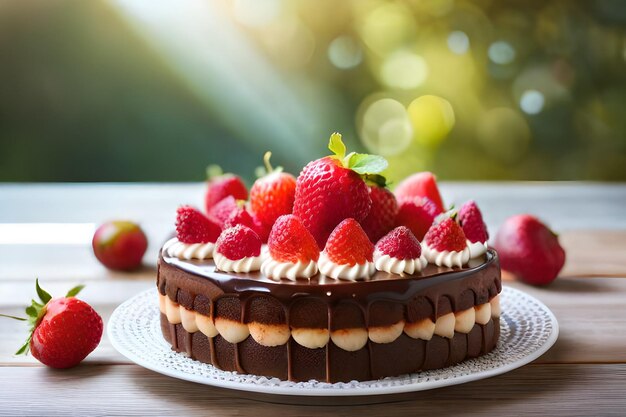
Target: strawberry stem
{"type": "Point", "coordinates": [266, 161]}
{"type": "Point", "coordinates": [13, 317]}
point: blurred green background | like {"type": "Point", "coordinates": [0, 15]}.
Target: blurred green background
{"type": "Point", "coordinates": [139, 90]}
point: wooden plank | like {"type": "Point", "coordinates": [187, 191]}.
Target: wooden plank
{"type": "Point", "coordinates": [555, 390]}
{"type": "Point", "coordinates": [591, 314]}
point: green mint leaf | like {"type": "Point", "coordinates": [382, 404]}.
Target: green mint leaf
{"type": "Point", "coordinates": [367, 164]}
{"type": "Point", "coordinates": [43, 295]}
{"type": "Point", "coordinates": [337, 146]}
{"type": "Point", "coordinates": [74, 291]}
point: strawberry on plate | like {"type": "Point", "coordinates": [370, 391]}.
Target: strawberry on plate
{"type": "Point", "coordinates": [238, 249]}
{"type": "Point", "coordinates": [471, 220]}
{"type": "Point", "coordinates": [529, 249]}
{"type": "Point", "coordinates": [194, 227]}
{"type": "Point", "coordinates": [445, 243]}
{"type": "Point", "coordinates": [331, 189]}
{"type": "Point", "coordinates": [399, 252]}
{"type": "Point", "coordinates": [293, 252]}
{"type": "Point", "coordinates": [272, 195]}
{"type": "Point", "coordinates": [382, 215]}
{"type": "Point", "coordinates": [64, 330]}
{"type": "Point", "coordinates": [222, 186]}
{"type": "Point", "coordinates": [421, 184]}
{"type": "Point", "coordinates": [348, 253]}
{"type": "Point", "coordinates": [417, 213]}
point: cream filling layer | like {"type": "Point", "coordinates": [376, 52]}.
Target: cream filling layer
{"type": "Point", "coordinates": [397, 266]}
{"type": "Point", "coordinates": [347, 339]}
{"type": "Point", "coordinates": [276, 270]}
{"type": "Point", "coordinates": [346, 272]}
{"type": "Point", "coordinates": [188, 251]}
{"type": "Point", "coordinates": [247, 264]}
{"type": "Point", "coordinates": [477, 249]}
{"type": "Point", "coordinates": [446, 258]}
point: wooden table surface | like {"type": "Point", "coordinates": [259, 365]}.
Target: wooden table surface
{"type": "Point", "coordinates": [583, 374]}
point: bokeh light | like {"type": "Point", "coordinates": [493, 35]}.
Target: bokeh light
{"type": "Point", "coordinates": [256, 13]}
{"type": "Point", "coordinates": [531, 102]}
{"type": "Point", "coordinates": [458, 42]}
{"type": "Point", "coordinates": [404, 69]}
{"type": "Point", "coordinates": [387, 28]}
{"type": "Point", "coordinates": [386, 128]}
{"type": "Point", "coordinates": [432, 119]}
{"type": "Point", "coordinates": [501, 52]}
{"type": "Point", "coordinates": [344, 52]}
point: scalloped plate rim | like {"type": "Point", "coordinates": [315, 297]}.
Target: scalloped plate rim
{"type": "Point", "coordinates": [335, 391]}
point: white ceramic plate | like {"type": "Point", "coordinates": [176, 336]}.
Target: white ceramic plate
{"type": "Point", "coordinates": [527, 330]}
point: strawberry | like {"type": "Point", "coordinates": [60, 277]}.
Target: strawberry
{"type": "Point", "coordinates": [529, 249]}
{"type": "Point", "coordinates": [272, 195]}
{"type": "Point", "coordinates": [422, 184]}
{"type": "Point", "coordinates": [418, 214]}
{"type": "Point", "coordinates": [331, 189]}
{"type": "Point", "coordinates": [471, 220]}
{"type": "Point", "coordinates": [400, 243]}
{"type": "Point", "coordinates": [241, 216]}
{"type": "Point", "coordinates": [194, 227]}
{"type": "Point", "coordinates": [290, 241]}
{"type": "Point", "coordinates": [221, 186]}
{"type": "Point", "coordinates": [119, 245]}
{"type": "Point", "coordinates": [382, 215]}
{"type": "Point", "coordinates": [349, 245]}
{"type": "Point", "coordinates": [238, 242]}
{"type": "Point", "coordinates": [64, 330]}
{"type": "Point", "coordinates": [220, 212]}
{"type": "Point", "coordinates": [446, 235]}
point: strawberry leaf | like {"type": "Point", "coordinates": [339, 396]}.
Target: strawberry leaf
{"type": "Point", "coordinates": [32, 311]}
{"type": "Point", "coordinates": [367, 164]}
{"type": "Point", "coordinates": [24, 348]}
{"type": "Point", "coordinates": [375, 179]}
{"type": "Point", "coordinates": [43, 295]}
{"type": "Point", "coordinates": [337, 146]}
{"type": "Point", "coordinates": [74, 291]}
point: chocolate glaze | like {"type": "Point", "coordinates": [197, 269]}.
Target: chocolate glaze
{"type": "Point", "coordinates": [327, 303]}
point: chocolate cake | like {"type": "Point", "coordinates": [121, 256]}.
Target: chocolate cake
{"type": "Point", "coordinates": [326, 329]}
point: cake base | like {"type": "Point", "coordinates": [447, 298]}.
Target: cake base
{"type": "Point", "coordinates": [332, 363]}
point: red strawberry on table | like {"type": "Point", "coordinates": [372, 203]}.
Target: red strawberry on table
{"type": "Point", "coordinates": [64, 330]}
{"type": "Point", "coordinates": [445, 244]}
{"type": "Point", "coordinates": [471, 220]}
{"type": "Point", "coordinates": [220, 212]}
{"type": "Point", "coordinates": [382, 215]}
{"type": "Point", "coordinates": [529, 249]}
{"type": "Point", "coordinates": [399, 252]}
{"type": "Point", "coordinates": [119, 245]}
{"type": "Point", "coordinates": [331, 189]}
{"type": "Point", "coordinates": [238, 249]}
{"type": "Point", "coordinates": [417, 213]}
{"type": "Point", "coordinates": [272, 195]}
{"type": "Point", "coordinates": [221, 186]}
{"type": "Point", "coordinates": [194, 227]}
{"type": "Point", "coordinates": [348, 253]}
{"type": "Point", "coordinates": [421, 184]}
{"type": "Point", "coordinates": [293, 252]}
